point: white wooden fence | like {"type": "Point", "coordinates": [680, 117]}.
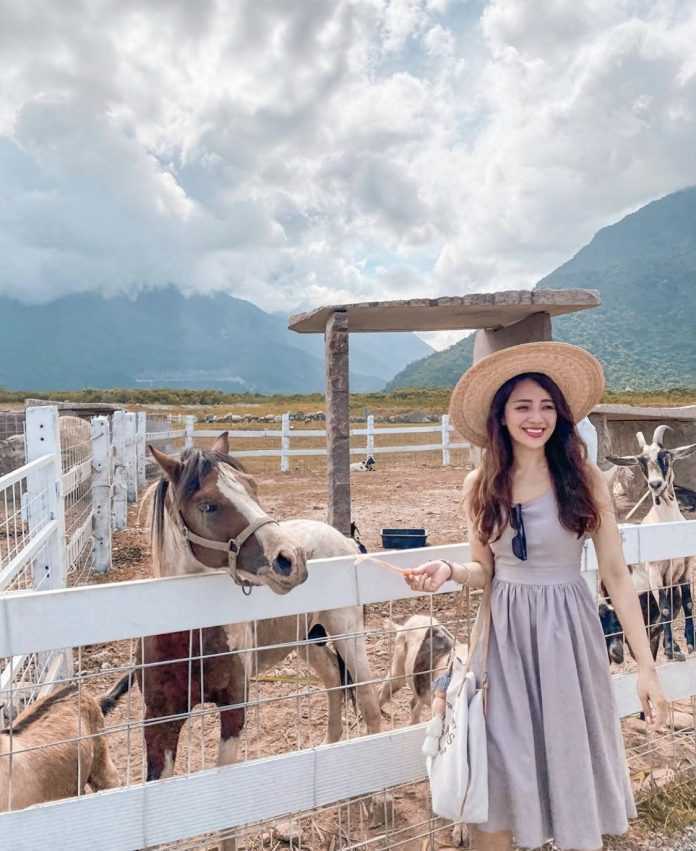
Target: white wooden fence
{"type": "Point", "coordinates": [215, 799]}
{"type": "Point", "coordinates": [286, 434]}
{"type": "Point", "coordinates": [57, 513]}
{"type": "Point", "coordinates": [42, 617]}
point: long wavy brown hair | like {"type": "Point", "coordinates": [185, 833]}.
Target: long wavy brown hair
{"type": "Point", "coordinates": [491, 500]}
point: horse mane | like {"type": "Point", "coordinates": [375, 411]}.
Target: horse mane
{"type": "Point", "coordinates": [38, 709]}
{"type": "Point", "coordinates": [196, 465]}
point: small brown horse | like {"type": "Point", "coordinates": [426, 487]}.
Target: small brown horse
{"type": "Point", "coordinates": [206, 515]}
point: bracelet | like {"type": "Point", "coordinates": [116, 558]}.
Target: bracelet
{"type": "Point", "coordinates": [466, 566]}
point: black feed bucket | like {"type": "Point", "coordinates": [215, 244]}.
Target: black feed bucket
{"type": "Point", "coordinates": [404, 539]}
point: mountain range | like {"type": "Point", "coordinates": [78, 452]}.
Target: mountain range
{"type": "Point", "coordinates": [644, 267]}
{"type": "Point", "coordinates": [161, 338]}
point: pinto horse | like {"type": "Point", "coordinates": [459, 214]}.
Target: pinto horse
{"type": "Point", "coordinates": [206, 516]}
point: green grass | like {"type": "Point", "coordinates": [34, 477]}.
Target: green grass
{"type": "Point", "coordinates": [428, 400]}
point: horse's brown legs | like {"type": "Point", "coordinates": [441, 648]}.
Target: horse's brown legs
{"type": "Point", "coordinates": [161, 741]}
{"type": "Point", "coordinates": [231, 724]}
{"type": "Point", "coordinates": [323, 661]}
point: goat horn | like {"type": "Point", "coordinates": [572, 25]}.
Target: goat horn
{"type": "Point", "coordinates": [659, 434]}
{"type": "Point", "coordinates": [640, 437]}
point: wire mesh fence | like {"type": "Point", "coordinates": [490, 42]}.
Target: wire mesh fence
{"type": "Point", "coordinates": [285, 688]}
{"type": "Point", "coordinates": [166, 432]}
{"type": "Point", "coordinates": [76, 466]}
{"type": "Point", "coordinates": [259, 690]}
{"type": "Point", "coordinates": [12, 447]}
{"type": "Point", "coordinates": [264, 689]}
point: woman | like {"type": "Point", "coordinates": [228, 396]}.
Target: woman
{"type": "Point", "coordinates": [556, 763]}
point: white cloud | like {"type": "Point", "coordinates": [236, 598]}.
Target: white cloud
{"type": "Point", "coordinates": [303, 153]}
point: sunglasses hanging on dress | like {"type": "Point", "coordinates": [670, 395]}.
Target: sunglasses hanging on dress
{"type": "Point", "coordinates": [519, 541]}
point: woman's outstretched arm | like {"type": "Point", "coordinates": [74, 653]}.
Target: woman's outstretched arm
{"type": "Point", "coordinates": [476, 573]}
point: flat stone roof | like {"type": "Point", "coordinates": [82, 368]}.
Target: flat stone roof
{"type": "Point", "coordinates": [476, 310]}
{"type": "Point", "coordinates": [643, 412]}
{"type": "Point", "coordinates": [84, 408]}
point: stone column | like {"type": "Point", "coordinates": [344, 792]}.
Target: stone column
{"type": "Point", "coordinates": [533, 328]}
{"type": "Point", "coordinates": [337, 421]}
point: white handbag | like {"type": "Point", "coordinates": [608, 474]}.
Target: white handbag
{"type": "Point", "coordinates": [456, 746]}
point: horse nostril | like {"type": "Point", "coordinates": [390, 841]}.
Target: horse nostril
{"type": "Point", "coordinates": [282, 565]}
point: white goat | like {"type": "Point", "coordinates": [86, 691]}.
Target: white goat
{"type": "Point", "coordinates": [421, 654]}
{"type": "Point", "coordinates": [670, 577]}
{"type": "Point", "coordinates": [366, 466]}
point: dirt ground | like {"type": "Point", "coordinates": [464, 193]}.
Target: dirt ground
{"type": "Point", "coordinates": [289, 709]}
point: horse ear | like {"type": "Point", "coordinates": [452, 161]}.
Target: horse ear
{"type": "Point", "coordinates": [623, 460]}
{"type": "Point", "coordinates": [222, 444]}
{"type": "Point", "coordinates": [170, 466]}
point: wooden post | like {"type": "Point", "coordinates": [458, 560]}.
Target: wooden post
{"type": "Point", "coordinates": [337, 421]}
{"type": "Point", "coordinates": [284, 443]}
{"type": "Point", "coordinates": [189, 429]}
{"type": "Point", "coordinates": [45, 495]}
{"type": "Point", "coordinates": [141, 429]}
{"type": "Point", "coordinates": [370, 435]}
{"type": "Point", "coordinates": [534, 327]}
{"type": "Point", "coordinates": [589, 435]}
{"type": "Point", "coordinates": [101, 493]}
{"type": "Point", "coordinates": [46, 501]}
{"type": "Point", "coordinates": [132, 457]}
{"type": "Point", "coordinates": [120, 473]}
{"type": "Point", "coordinates": [445, 440]}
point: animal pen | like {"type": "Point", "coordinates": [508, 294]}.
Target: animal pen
{"type": "Point", "coordinates": [288, 788]}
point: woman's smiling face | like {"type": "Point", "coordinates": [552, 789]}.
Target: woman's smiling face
{"type": "Point", "coordinates": [529, 414]}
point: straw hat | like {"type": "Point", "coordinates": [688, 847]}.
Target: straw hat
{"type": "Point", "coordinates": [577, 373]}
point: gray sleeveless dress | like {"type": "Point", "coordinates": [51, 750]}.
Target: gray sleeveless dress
{"type": "Point", "coordinates": [556, 761]}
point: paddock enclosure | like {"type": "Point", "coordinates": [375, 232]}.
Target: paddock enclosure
{"type": "Point", "coordinates": [288, 788]}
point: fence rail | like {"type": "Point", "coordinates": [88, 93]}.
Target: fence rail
{"type": "Point", "coordinates": [66, 502]}
{"type": "Point", "coordinates": [286, 434]}
{"type": "Point", "coordinates": [230, 796]}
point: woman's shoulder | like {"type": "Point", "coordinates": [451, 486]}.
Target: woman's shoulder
{"type": "Point", "coordinates": [471, 480]}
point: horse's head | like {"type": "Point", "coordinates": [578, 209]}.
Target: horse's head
{"type": "Point", "coordinates": [212, 499]}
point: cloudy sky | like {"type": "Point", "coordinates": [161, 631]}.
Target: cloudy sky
{"type": "Point", "coordinates": [301, 152]}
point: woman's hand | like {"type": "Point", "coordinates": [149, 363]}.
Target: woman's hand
{"type": "Point", "coordinates": [428, 577]}
{"type": "Point", "coordinates": [651, 697]}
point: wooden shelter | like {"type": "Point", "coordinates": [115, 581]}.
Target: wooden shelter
{"type": "Point", "coordinates": [501, 319]}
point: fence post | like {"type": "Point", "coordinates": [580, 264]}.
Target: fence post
{"type": "Point", "coordinates": [588, 433]}
{"type": "Point", "coordinates": [45, 501]}
{"type": "Point", "coordinates": [445, 439]}
{"type": "Point", "coordinates": [120, 474]}
{"type": "Point", "coordinates": [370, 448]}
{"type": "Point", "coordinates": [284, 443]}
{"type": "Point", "coordinates": [132, 456]}
{"type": "Point", "coordinates": [141, 429]}
{"type": "Point", "coordinates": [101, 493]}
{"type": "Point", "coordinates": [45, 494]}
{"type": "Point", "coordinates": [189, 429]}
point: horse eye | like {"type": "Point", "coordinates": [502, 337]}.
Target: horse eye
{"type": "Point", "coordinates": [207, 507]}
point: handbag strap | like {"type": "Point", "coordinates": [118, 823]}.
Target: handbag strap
{"type": "Point", "coordinates": [480, 634]}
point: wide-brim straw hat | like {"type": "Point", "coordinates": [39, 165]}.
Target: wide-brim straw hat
{"type": "Point", "coordinates": [577, 373]}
